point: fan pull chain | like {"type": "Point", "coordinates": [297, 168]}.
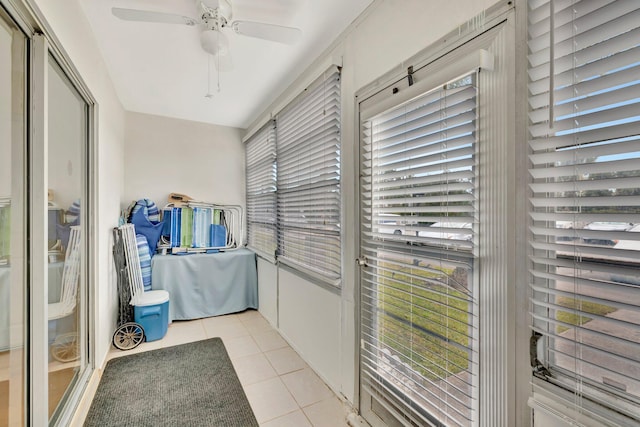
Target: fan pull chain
{"type": "Point", "coordinates": [218, 70]}
{"type": "Point", "coordinates": [209, 95]}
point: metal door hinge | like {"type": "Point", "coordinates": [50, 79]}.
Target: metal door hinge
{"type": "Point", "coordinates": [361, 261]}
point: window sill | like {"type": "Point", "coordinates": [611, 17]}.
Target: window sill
{"type": "Point", "coordinates": [334, 287]}
{"type": "Point", "coordinates": [268, 258]}
{"type": "Point", "coordinates": [560, 404]}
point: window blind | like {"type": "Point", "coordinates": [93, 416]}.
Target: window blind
{"type": "Point", "coordinates": [419, 311]}
{"type": "Point", "coordinates": [308, 161]}
{"type": "Point", "coordinates": [260, 154]}
{"type": "Point", "coordinates": [584, 68]}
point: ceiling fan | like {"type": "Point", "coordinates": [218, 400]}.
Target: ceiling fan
{"type": "Point", "coordinates": [214, 18]}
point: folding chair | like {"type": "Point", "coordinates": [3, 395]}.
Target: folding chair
{"type": "Point", "coordinates": [151, 307]}
{"type": "Point", "coordinates": [64, 348]}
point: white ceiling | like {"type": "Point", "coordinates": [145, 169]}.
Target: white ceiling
{"type": "Point", "coordinates": [161, 69]}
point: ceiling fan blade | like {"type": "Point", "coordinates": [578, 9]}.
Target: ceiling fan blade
{"type": "Point", "coordinates": [276, 33]}
{"type": "Point", "coordinates": [150, 16]}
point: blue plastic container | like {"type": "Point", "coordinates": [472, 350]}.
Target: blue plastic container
{"type": "Point", "coordinates": [154, 319]}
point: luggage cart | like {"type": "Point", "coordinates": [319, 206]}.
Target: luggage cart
{"type": "Point", "coordinates": [128, 334]}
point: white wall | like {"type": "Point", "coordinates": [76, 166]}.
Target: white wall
{"type": "Point", "coordinates": [268, 290]}
{"type": "Point", "coordinates": [72, 29]}
{"type": "Point", "coordinates": [164, 155]}
{"type": "Point", "coordinates": [385, 35]}
{"type": "Point", "coordinates": [310, 321]}
{"type": "Point", "coordinates": [544, 419]}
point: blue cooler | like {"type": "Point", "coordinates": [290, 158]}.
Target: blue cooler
{"type": "Point", "coordinates": [152, 312]}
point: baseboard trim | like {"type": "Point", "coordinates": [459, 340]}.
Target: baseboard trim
{"type": "Point", "coordinates": [87, 397]}
{"type": "Point", "coordinates": [355, 420]}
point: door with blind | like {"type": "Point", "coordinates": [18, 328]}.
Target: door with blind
{"type": "Point", "coordinates": [436, 244]}
{"type": "Point", "coordinates": [419, 308]}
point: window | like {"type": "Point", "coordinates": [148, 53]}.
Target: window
{"type": "Point", "coordinates": [584, 68]}
{"type": "Point", "coordinates": [308, 178]}
{"type": "Point", "coordinates": [260, 154]}
{"type": "Point", "coordinates": [419, 306]}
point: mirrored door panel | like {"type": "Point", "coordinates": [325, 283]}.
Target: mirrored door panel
{"type": "Point", "coordinates": [12, 226]}
{"type": "Point", "coordinates": [67, 176]}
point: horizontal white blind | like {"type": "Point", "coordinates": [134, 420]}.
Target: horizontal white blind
{"type": "Point", "coordinates": [422, 163]}
{"type": "Point", "coordinates": [419, 315]}
{"type": "Point", "coordinates": [308, 160]}
{"type": "Point", "coordinates": [260, 155]}
{"type": "Point", "coordinates": [584, 68]}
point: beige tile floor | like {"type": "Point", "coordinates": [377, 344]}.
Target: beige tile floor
{"type": "Point", "coordinates": [282, 389]}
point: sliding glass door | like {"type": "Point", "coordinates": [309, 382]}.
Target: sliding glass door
{"type": "Point", "coordinates": [45, 200]}
{"type": "Point", "coordinates": [68, 137]}
{"type": "Point", "coordinates": [13, 46]}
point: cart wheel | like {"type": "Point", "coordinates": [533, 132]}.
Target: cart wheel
{"type": "Point", "coordinates": [128, 336]}
{"type": "Point", "coordinates": [65, 347]}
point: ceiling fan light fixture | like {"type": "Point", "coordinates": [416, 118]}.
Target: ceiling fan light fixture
{"type": "Point", "coordinates": [223, 6]}
{"type": "Point", "coordinates": [214, 42]}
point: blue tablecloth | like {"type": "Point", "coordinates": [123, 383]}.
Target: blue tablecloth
{"type": "Point", "coordinates": [204, 285]}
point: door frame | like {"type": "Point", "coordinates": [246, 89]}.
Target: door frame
{"type": "Point", "coordinates": [439, 51]}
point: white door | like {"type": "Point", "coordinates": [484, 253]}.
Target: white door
{"type": "Point", "coordinates": [437, 275]}
{"type": "Point", "coordinates": [418, 287]}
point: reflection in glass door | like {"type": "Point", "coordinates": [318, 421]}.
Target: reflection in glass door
{"type": "Point", "coordinates": [67, 187]}
{"type": "Point", "coordinates": [12, 226]}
